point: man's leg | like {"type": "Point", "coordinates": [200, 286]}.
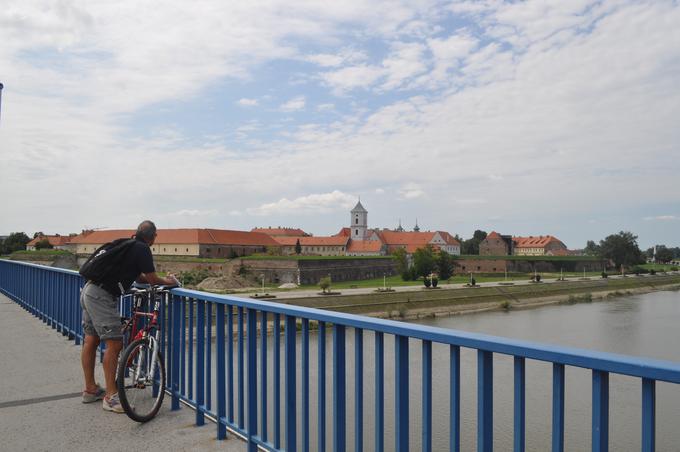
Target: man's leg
{"type": "Point", "coordinates": [88, 358]}
{"type": "Point", "coordinates": [113, 347]}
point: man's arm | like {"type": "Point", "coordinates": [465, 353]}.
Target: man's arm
{"type": "Point", "coordinates": [153, 278]}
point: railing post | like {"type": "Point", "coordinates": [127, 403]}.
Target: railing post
{"type": "Point", "coordinates": [321, 387]}
{"type": "Point", "coordinates": [454, 398]}
{"type": "Point", "coordinates": [290, 389]}
{"type": "Point", "coordinates": [221, 371]}
{"type": "Point", "coordinates": [200, 362]}
{"type": "Point", "coordinates": [427, 396]}
{"type": "Point", "coordinates": [358, 390]}
{"type": "Point", "coordinates": [600, 421]}
{"type": "Point", "coordinates": [304, 377]}
{"type": "Point", "coordinates": [263, 375]}
{"type": "Point", "coordinates": [252, 380]}
{"type": "Point", "coordinates": [558, 408]}
{"type": "Point", "coordinates": [519, 404]}
{"type": "Point", "coordinates": [174, 367]}
{"type": "Point", "coordinates": [339, 389]}
{"type": "Point", "coordinates": [379, 392]}
{"type": "Point", "coordinates": [277, 381]}
{"type": "Point", "coordinates": [648, 415]}
{"type": "Point", "coordinates": [401, 389]}
{"type": "Point", "coordinates": [484, 401]}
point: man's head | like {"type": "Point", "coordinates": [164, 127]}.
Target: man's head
{"type": "Point", "coordinates": [146, 231]}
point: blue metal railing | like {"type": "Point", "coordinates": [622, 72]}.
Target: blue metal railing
{"type": "Point", "coordinates": [229, 385]}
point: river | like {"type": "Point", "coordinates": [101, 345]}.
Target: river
{"type": "Point", "coordinates": [643, 325]}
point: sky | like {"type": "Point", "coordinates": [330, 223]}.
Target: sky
{"type": "Point", "coordinates": [528, 118]}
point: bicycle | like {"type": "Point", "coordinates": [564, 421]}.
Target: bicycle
{"type": "Point", "coordinates": [141, 367]}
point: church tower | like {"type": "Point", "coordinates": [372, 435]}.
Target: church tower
{"type": "Point", "coordinates": [359, 222]}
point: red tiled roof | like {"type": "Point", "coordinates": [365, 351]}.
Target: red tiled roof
{"type": "Point", "coordinates": [364, 246]}
{"type": "Point", "coordinates": [533, 242]}
{"type": "Point", "coordinates": [448, 238]}
{"type": "Point", "coordinates": [419, 239]}
{"type": "Point", "coordinates": [313, 241]}
{"type": "Point", "coordinates": [344, 232]}
{"type": "Point", "coordinates": [296, 232]}
{"type": "Point", "coordinates": [55, 240]}
{"type": "Point", "coordinates": [183, 236]}
{"type": "Point", "coordinates": [493, 235]}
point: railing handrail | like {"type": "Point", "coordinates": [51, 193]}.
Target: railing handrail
{"type": "Point", "coordinates": [591, 359]}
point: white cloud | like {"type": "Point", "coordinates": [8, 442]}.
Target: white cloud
{"type": "Point", "coordinates": [346, 56]}
{"type": "Point", "coordinates": [314, 203]}
{"type": "Point", "coordinates": [663, 218]}
{"type": "Point", "coordinates": [411, 191]}
{"type": "Point", "coordinates": [379, 191]}
{"type": "Point", "coordinates": [247, 102]}
{"type": "Point", "coordinates": [295, 104]}
{"type": "Point", "coordinates": [194, 213]}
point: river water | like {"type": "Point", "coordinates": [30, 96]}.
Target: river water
{"type": "Point", "coordinates": [643, 325]}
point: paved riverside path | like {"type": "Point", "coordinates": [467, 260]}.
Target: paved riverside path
{"type": "Point", "coordinates": [41, 408]}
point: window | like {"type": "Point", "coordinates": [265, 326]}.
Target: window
{"type": "Point", "coordinates": [187, 250]}
{"type": "Point", "coordinates": [356, 232]}
{"type": "Point", "coordinates": [163, 249]}
{"type": "Point", "coordinates": [175, 250]}
{"type": "Point", "coordinates": [356, 221]}
{"type": "Point", "coordinates": [207, 250]}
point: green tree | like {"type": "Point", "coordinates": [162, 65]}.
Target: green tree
{"type": "Point", "coordinates": [591, 249]}
{"type": "Point", "coordinates": [622, 249]}
{"type": "Point", "coordinates": [424, 261]}
{"type": "Point", "coordinates": [401, 259]}
{"type": "Point", "coordinates": [43, 244]}
{"type": "Point", "coordinates": [663, 253]}
{"type": "Point", "coordinates": [298, 247]}
{"type": "Point", "coordinates": [325, 284]}
{"type": "Point", "coordinates": [15, 242]}
{"type": "Point", "coordinates": [471, 246]}
{"type": "Point", "coordinates": [444, 265]}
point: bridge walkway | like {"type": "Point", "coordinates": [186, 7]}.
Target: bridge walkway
{"type": "Point", "coordinates": [41, 409]}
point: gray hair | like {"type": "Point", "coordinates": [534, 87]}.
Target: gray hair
{"type": "Point", "coordinates": [146, 230]}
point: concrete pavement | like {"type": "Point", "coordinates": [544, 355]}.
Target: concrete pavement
{"type": "Point", "coordinates": [41, 408]}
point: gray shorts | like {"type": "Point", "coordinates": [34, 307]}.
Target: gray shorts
{"type": "Point", "coordinates": [101, 316]}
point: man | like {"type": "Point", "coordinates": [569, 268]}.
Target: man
{"type": "Point", "coordinates": [101, 318]}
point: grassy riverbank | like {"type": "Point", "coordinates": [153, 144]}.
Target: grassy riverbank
{"type": "Point", "coordinates": [424, 303]}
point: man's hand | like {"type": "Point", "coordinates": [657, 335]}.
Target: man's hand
{"type": "Point", "coordinates": [153, 278]}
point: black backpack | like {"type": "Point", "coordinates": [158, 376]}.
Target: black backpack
{"type": "Point", "coordinates": [103, 267]}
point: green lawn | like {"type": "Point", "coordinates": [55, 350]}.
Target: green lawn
{"type": "Point", "coordinates": [658, 267]}
{"type": "Point", "coordinates": [530, 258]}
{"type": "Point", "coordinates": [296, 257]}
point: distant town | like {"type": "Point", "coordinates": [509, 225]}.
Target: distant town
{"type": "Point", "coordinates": [356, 239]}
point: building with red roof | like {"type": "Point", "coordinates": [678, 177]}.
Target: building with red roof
{"type": "Point", "coordinates": [215, 243]}
{"type": "Point", "coordinates": [281, 232]}
{"type": "Point", "coordinates": [58, 242]}
{"type": "Point", "coordinates": [320, 246]}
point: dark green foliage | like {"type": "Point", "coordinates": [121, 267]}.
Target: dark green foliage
{"type": "Point", "coordinates": [471, 246]}
{"type": "Point", "coordinates": [243, 269]}
{"type": "Point", "coordinates": [663, 253]}
{"type": "Point", "coordinates": [435, 281]}
{"type": "Point", "coordinates": [43, 244]}
{"type": "Point", "coordinates": [427, 282]}
{"type": "Point", "coordinates": [605, 275]}
{"type": "Point", "coordinates": [195, 277]}
{"type": "Point", "coordinates": [325, 284]}
{"type": "Point", "coordinates": [401, 260]}
{"type": "Point", "coordinates": [298, 247]}
{"type": "Point", "coordinates": [16, 241]}
{"type": "Point", "coordinates": [652, 272]}
{"type": "Point", "coordinates": [444, 265]}
{"type": "Point", "coordinates": [622, 249]}
{"type": "Point", "coordinates": [424, 261]}
{"type": "Point", "coordinates": [591, 249]}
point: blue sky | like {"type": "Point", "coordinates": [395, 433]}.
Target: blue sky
{"type": "Point", "coordinates": [536, 117]}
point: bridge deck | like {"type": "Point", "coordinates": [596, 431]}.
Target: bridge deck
{"type": "Point", "coordinates": [40, 407]}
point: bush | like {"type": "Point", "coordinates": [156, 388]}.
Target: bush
{"type": "Point", "coordinates": [325, 284]}
{"type": "Point", "coordinates": [604, 274]}
{"type": "Point", "coordinates": [652, 272]}
{"type": "Point", "coordinates": [195, 277]}
{"type": "Point", "coordinates": [435, 281]}
{"type": "Point", "coordinates": [674, 268]}
{"type": "Point", "coordinates": [427, 282]}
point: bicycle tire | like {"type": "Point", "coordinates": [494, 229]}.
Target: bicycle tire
{"type": "Point", "coordinates": [141, 399]}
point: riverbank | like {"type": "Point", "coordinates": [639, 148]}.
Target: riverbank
{"type": "Point", "coordinates": [426, 303]}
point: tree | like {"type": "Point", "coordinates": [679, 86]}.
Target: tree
{"type": "Point", "coordinates": [663, 253]}
{"type": "Point", "coordinates": [591, 249]}
{"type": "Point", "coordinates": [471, 246]}
{"type": "Point", "coordinates": [622, 249]}
{"type": "Point", "coordinates": [298, 247]}
{"type": "Point", "coordinates": [401, 259]}
{"type": "Point", "coordinates": [15, 242]}
{"type": "Point", "coordinates": [444, 265]}
{"type": "Point", "coordinates": [38, 234]}
{"type": "Point", "coordinates": [43, 244]}
{"type": "Point", "coordinates": [424, 261]}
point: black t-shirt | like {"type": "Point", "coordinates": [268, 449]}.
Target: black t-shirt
{"type": "Point", "coordinates": [137, 260]}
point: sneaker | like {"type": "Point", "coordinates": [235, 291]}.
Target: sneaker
{"type": "Point", "coordinates": [97, 394]}
{"type": "Point", "coordinates": [112, 404]}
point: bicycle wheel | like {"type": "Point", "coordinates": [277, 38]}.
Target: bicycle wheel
{"type": "Point", "coordinates": [141, 388]}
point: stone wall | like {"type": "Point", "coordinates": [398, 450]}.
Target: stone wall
{"type": "Point", "coordinates": [310, 271]}
{"type": "Point", "coordinates": [524, 266]}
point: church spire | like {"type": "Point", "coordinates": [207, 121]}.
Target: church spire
{"type": "Point", "coordinates": [416, 228]}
